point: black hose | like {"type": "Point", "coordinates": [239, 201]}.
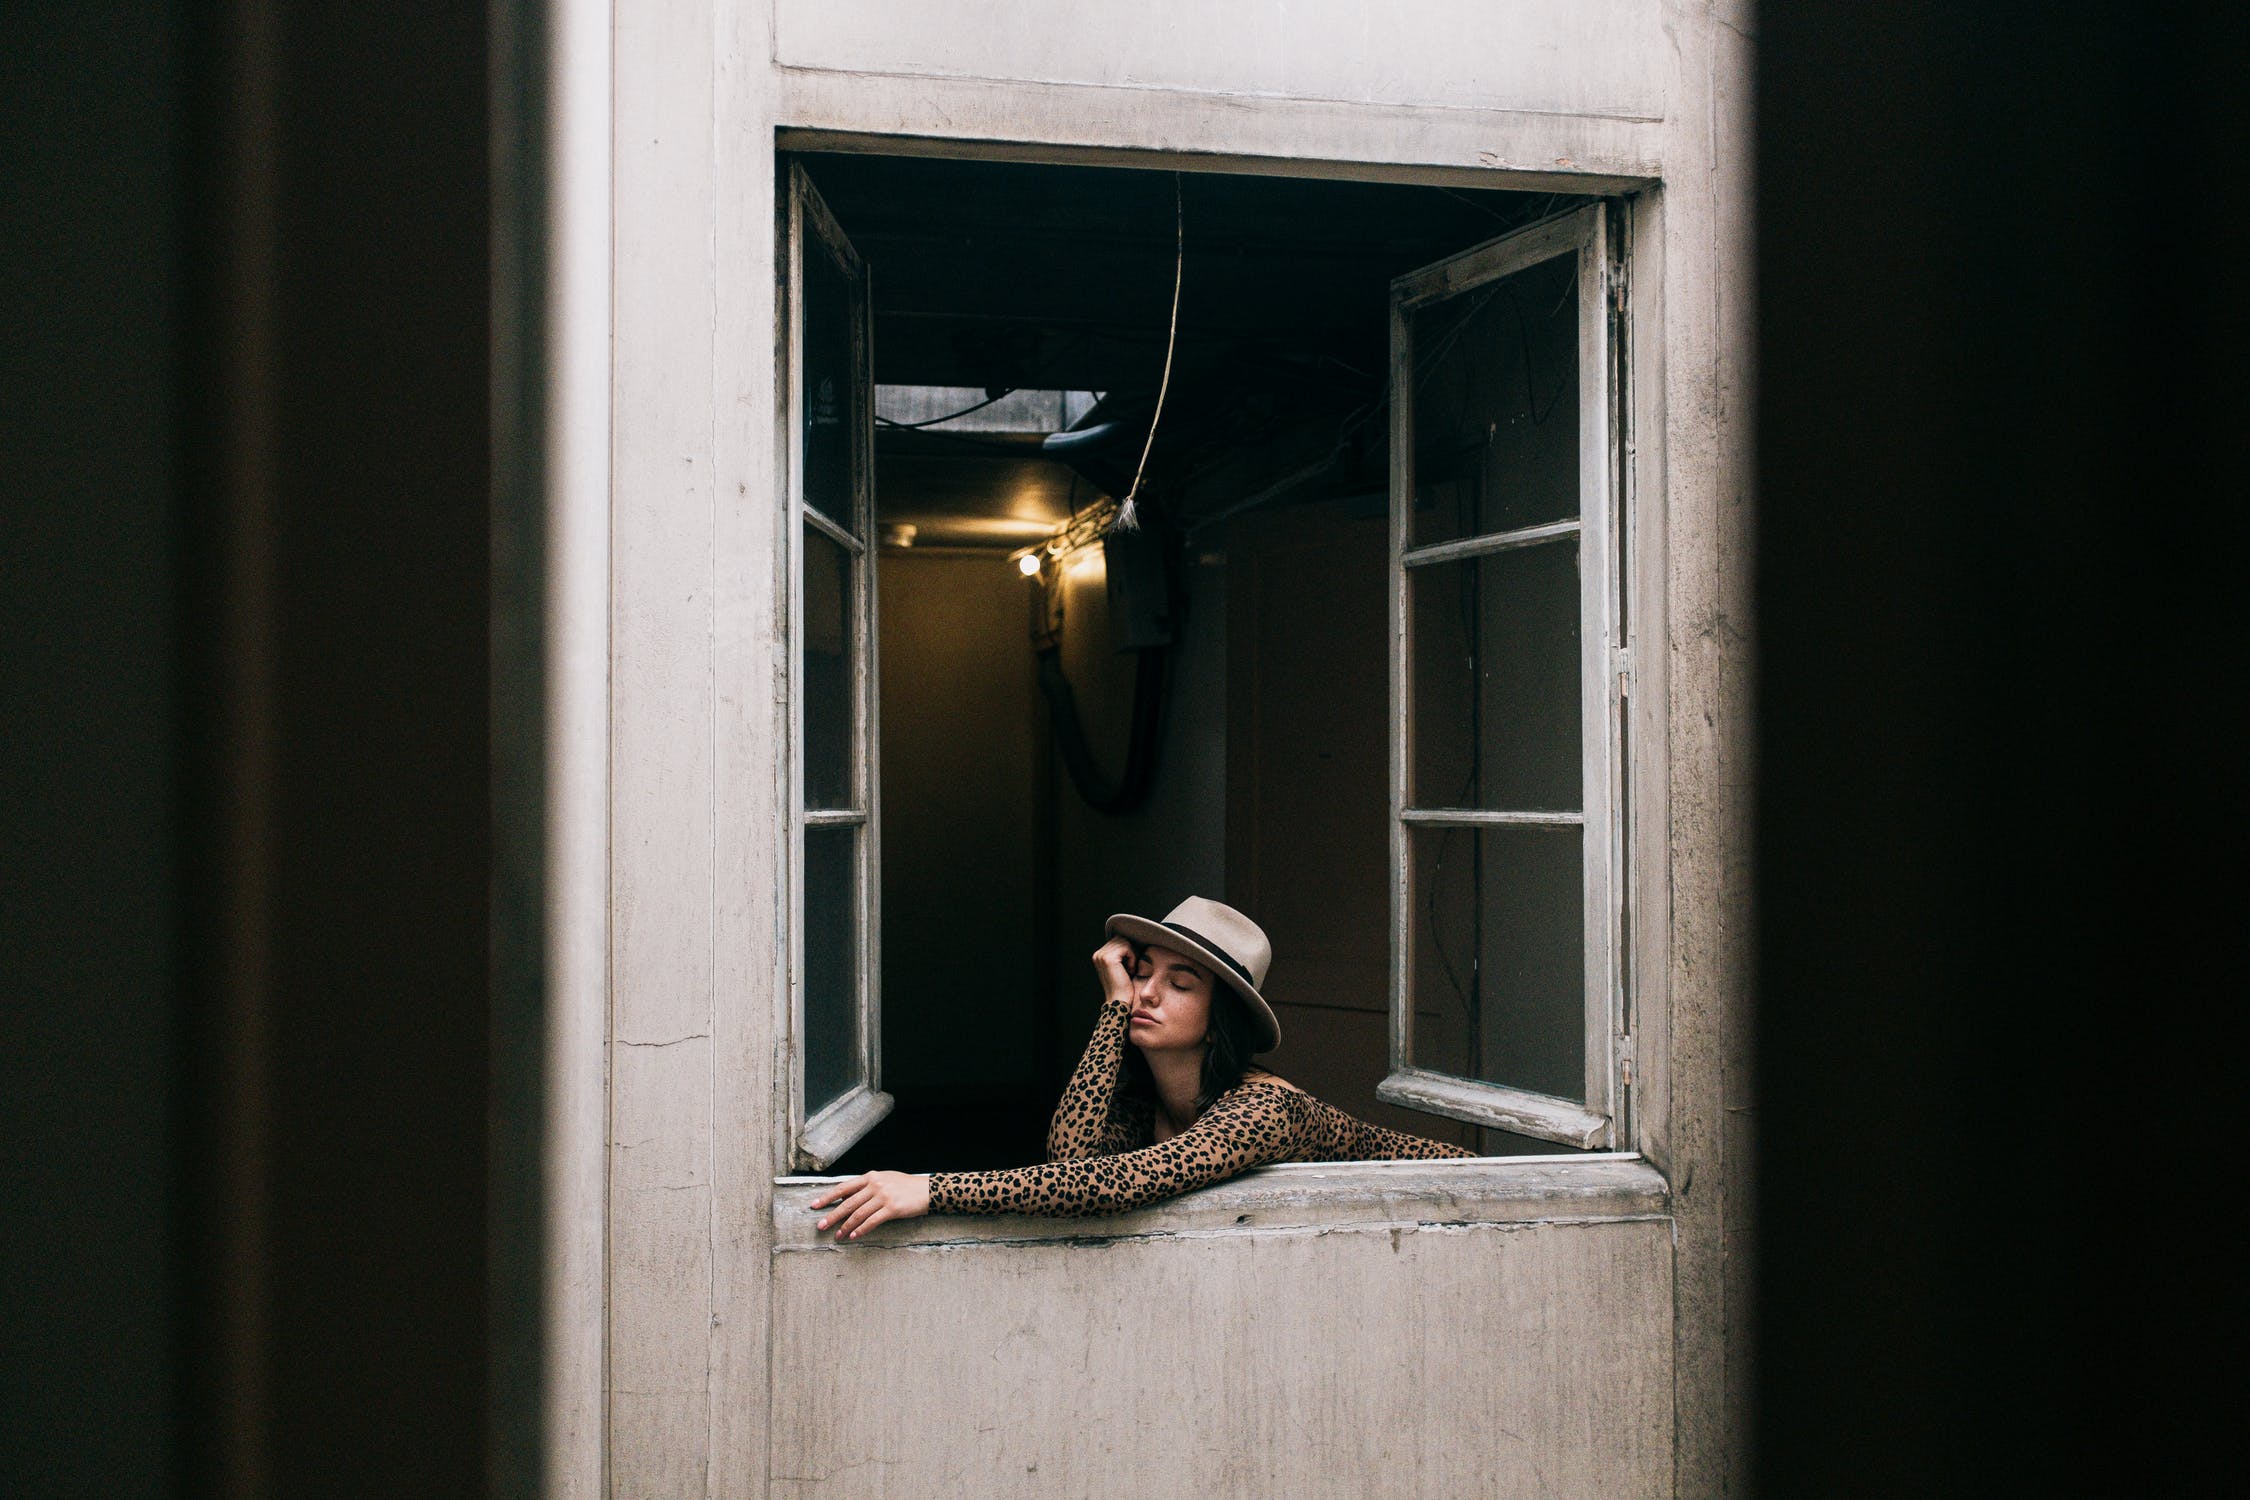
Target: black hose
{"type": "Point", "coordinates": [1131, 788]}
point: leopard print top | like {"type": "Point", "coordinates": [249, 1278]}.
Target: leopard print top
{"type": "Point", "coordinates": [1103, 1156]}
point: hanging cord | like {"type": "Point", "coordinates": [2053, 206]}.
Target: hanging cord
{"type": "Point", "coordinates": [1127, 520]}
{"type": "Point", "coordinates": [1131, 788]}
{"type": "Point", "coordinates": [949, 416]}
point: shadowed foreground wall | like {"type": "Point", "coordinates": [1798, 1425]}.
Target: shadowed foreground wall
{"type": "Point", "coordinates": [2001, 535]}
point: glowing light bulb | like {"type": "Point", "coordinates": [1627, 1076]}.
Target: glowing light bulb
{"type": "Point", "coordinates": [1028, 564]}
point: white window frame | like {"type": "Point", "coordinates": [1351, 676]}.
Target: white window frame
{"type": "Point", "coordinates": [1597, 1122]}
{"type": "Point", "coordinates": [808, 227]}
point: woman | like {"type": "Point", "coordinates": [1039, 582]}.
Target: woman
{"type": "Point", "coordinates": [1180, 1108]}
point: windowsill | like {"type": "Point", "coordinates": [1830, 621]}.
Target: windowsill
{"type": "Point", "coordinates": [1310, 1196]}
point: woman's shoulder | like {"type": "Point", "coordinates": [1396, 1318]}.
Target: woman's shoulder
{"type": "Point", "coordinates": [1273, 1080]}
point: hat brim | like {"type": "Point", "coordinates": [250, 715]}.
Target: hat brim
{"type": "Point", "coordinates": [1157, 935]}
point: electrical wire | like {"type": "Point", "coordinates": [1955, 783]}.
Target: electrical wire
{"type": "Point", "coordinates": [1126, 519]}
{"type": "Point", "coordinates": [949, 416]}
{"type": "Point", "coordinates": [973, 444]}
{"type": "Point", "coordinates": [1070, 346]}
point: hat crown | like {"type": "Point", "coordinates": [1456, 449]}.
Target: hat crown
{"type": "Point", "coordinates": [1220, 926]}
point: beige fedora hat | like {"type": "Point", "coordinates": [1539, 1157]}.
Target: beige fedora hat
{"type": "Point", "coordinates": [1213, 933]}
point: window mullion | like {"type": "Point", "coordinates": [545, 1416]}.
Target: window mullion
{"type": "Point", "coordinates": [833, 532]}
{"type": "Point", "coordinates": [1597, 648]}
{"type": "Point", "coordinates": [791, 1065]}
{"type": "Point", "coordinates": [867, 683]}
{"type": "Point", "coordinates": [1402, 685]}
{"type": "Point", "coordinates": [1473, 817]}
{"type": "Point", "coordinates": [1489, 543]}
{"type": "Point", "coordinates": [1497, 1106]}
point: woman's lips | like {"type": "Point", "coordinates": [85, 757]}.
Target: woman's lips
{"type": "Point", "coordinates": [1143, 1019]}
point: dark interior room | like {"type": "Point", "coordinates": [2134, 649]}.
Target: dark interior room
{"type": "Point", "coordinates": [1244, 684]}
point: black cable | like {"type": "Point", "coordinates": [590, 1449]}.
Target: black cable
{"type": "Point", "coordinates": [1131, 788]}
{"type": "Point", "coordinates": [1483, 208]}
{"type": "Point", "coordinates": [1070, 346]}
{"type": "Point", "coordinates": [950, 416]}
{"type": "Point", "coordinates": [984, 445]}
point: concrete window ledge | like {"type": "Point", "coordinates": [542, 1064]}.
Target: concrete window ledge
{"type": "Point", "coordinates": [1314, 1197]}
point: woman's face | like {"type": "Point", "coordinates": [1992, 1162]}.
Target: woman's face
{"type": "Point", "coordinates": [1171, 1001]}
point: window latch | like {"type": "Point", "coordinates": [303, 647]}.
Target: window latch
{"type": "Point", "coordinates": [1624, 1047]}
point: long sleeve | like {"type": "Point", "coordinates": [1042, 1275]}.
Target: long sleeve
{"type": "Point", "coordinates": [1248, 1126]}
{"type": "Point", "coordinates": [1356, 1140]}
{"type": "Point", "coordinates": [1090, 1119]}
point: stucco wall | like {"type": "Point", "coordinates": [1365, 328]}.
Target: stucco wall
{"type": "Point", "coordinates": [1488, 1359]}
{"type": "Point", "coordinates": [1559, 1353]}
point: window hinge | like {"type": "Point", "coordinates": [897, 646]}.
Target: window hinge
{"type": "Point", "coordinates": [1624, 1045]}
{"type": "Point", "coordinates": [1624, 673]}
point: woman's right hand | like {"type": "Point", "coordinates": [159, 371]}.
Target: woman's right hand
{"type": "Point", "coordinates": [1113, 961]}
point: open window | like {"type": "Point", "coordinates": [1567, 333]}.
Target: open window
{"type": "Point", "coordinates": [1506, 681]}
{"type": "Point", "coordinates": [836, 1059]}
{"type": "Point", "coordinates": [1353, 675]}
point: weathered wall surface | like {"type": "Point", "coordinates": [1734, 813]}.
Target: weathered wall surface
{"type": "Point", "coordinates": [1490, 1359]}
{"type": "Point", "coordinates": [1558, 1353]}
{"type": "Point", "coordinates": [1583, 57]}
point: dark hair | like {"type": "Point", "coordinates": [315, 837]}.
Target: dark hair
{"type": "Point", "coordinates": [1232, 1041]}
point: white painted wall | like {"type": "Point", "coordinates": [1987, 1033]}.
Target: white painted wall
{"type": "Point", "coordinates": [1425, 1351]}
{"type": "Point", "coordinates": [577, 405]}
{"type": "Point", "coordinates": [1347, 1362]}
{"type": "Point", "coordinates": [1572, 57]}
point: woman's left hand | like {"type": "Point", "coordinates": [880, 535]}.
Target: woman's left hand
{"type": "Point", "coordinates": [866, 1201]}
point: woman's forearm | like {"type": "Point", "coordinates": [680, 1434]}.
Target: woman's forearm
{"type": "Point", "coordinates": [1242, 1130]}
{"type": "Point", "coordinates": [1084, 1125]}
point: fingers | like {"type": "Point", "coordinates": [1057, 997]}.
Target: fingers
{"type": "Point", "coordinates": [859, 1216]}
{"type": "Point", "coordinates": [856, 1206]}
{"type": "Point", "coordinates": [848, 1185]}
{"type": "Point", "coordinates": [848, 1197]}
{"type": "Point", "coordinates": [869, 1214]}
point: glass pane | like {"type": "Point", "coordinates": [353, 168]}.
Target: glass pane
{"type": "Point", "coordinates": [1499, 956]}
{"type": "Point", "coordinates": [1496, 681]}
{"type": "Point", "coordinates": [1496, 405]}
{"type": "Point", "coordinates": [831, 393]}
{"type": "Point", "coordinates": [831, 964]}
{"type": "Point", "coordinates": [829, 701]}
